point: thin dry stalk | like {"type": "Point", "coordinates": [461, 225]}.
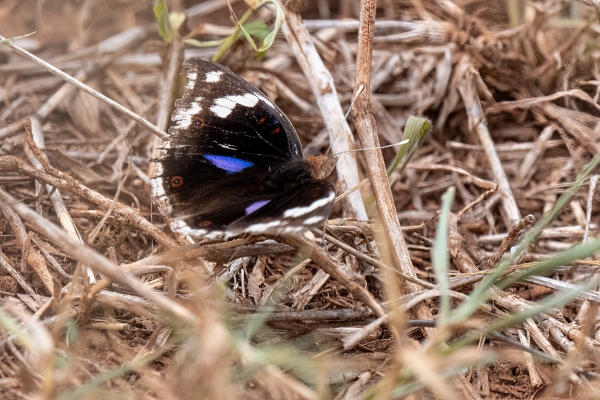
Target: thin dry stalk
{"type": "Point", "coordinates": [323, 88]}
{"type": "Point", "coordinates": [364, 122]}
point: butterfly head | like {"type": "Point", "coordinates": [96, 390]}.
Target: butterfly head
{"type": "Point", "coordinates": [322, 165]}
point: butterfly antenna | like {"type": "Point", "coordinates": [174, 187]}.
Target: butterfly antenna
{"type": "Point", "coordinates": [360, 89]}
{"type": "Point", "coordinates": [378, 147]}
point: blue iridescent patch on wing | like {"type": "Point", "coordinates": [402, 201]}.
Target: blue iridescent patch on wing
{"type": "Point", "coordinates": [231, 165]}
{"type": "Point", "coordinates": [255, 206]}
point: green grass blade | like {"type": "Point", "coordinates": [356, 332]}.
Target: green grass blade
{"type": "Point", "coordinates": [165, 30]}
{"type": "Point", "coordinates": [481, 293]}
{"type": "Point", "coordinates": [565, 258]}
{"type": "Point", "coordinates": [415, 130]}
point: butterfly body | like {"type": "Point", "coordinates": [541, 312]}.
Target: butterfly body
{"type": "Point", "coordinates": [233, 162]}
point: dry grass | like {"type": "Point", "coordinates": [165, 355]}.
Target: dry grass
{"type": "Point", "coordinates": [99, 299]}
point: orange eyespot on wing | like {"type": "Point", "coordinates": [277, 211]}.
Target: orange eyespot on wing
{"type": "Point", "coordinates": [198, 122]}
{"type": "Point", "coordinates": [276, 130]}
{"type": "Point", "coordinates": [177, 181]}
{"type": "Point", "coordinates": [260, 121]}
{"type": "Point", "coordinates": [204, 223]}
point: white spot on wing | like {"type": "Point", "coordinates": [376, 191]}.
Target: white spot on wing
{"type": "Point", "coordinates": [225, 102]}
{"type": "Point", "coordinates": [258, 228]}
{"type": "Point", "coordinates": [313, 220]}
{"type": "Point", "coordinates": [157, 187]}
{"type": "Point", "coordinates": [183, 116]}
{"type": "Point", "coordinates": [213, 76]}
{"type": "Point", "coordinates": [299, 211]}
{"type": "Point", "coordinates": [221, 111]}
{"type": "Point", "coordinates": [192, 76]}
{"type": "Point", "coordinates": [224, 105]}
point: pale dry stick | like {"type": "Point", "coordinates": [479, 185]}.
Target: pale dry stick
{"type": "Point", "coordinates": [506, 147]}
{"type": "Point", "coordinates": [526, 103]}
{"type": "Point", "coordinates": [477, 123]}
{"type": "Point", "coordinates": [578, 213]}
{"type": "Point", "coordinates": [364, 121]}
{"type": "Point", "coordinates": [548, 233]}
{"type": "Point", "coordinates": [323, 88]}
{"type": "Point", "coordinates": [482, 183]}
{"type": "Point", "coordinates": [33, 132]}
{"type": "Point", "coordinates": [105, 52]}
{"type": "Point", "coordinates": [69, 184]}
{"type": "Point", "coordinates": [66, 77]}
{"type": "Point", "coordinates": [534, 377]}
{"type": "Point", "coordinates": [425, 33]}
{"type": "Point", "coordinates": [588, 213]}
{"type": "Point", "coordinates": [305, 294]}
{"type": "Point", "coordinates": [567, 345]}
{"type": "Point", "coordinates": [96, 261]}
{"type": "Point", "coordinates": [527, 169]}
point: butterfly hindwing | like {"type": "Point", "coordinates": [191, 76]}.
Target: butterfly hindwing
{"type": "Point", "coordinates": [303, 206]}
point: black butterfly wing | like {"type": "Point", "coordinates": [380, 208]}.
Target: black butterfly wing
{"type": "Point", "coordinates": [227, 136]}
{"type": "Point", "coordinates": [303, 206]}
{"type": "Point", "coordinates": [220, 113]}
{"type": "Point", "coordinates": [228, 142]}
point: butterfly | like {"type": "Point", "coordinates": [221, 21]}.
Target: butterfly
{"type": "Point", "coordinates": [233, 162]}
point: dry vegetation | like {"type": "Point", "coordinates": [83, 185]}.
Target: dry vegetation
{"type": "Point", "coordinates": [507, 309]}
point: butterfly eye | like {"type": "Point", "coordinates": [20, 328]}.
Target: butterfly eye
{"type": "Point", "coordinates": [177, 181]}
{"type": "Point", "coordinates": [199, 122]}
{"type": "Point", "coordinates": [204, 223]}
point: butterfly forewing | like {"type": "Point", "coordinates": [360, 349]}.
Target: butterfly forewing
{"type": "Point", "coordinates": [232, 159]}
{"type": "Point", "coordinates": [223, 113]}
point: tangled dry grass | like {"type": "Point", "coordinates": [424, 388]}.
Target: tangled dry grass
{"type": "Point", "coordinates": [100, 299]}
